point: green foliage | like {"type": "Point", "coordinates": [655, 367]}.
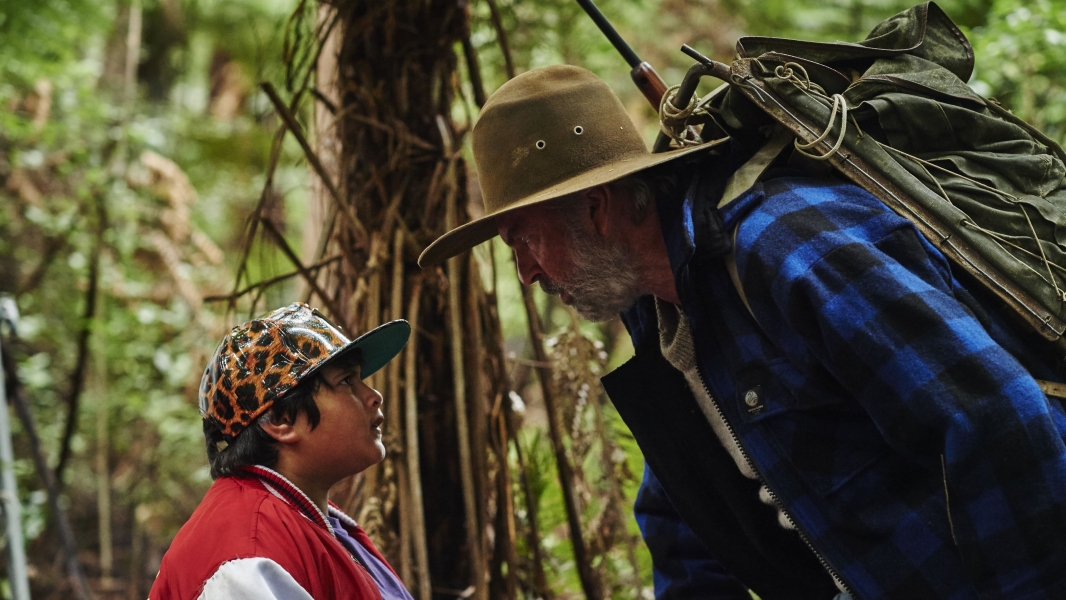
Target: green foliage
{"type": "Point", "coordinates": [44, 36]}
{"type": "Point", "coordinates": [1021, 61]}
{"type": "Point", "coordinates": [148, 191]}
{"type": "Point", "coordinates": [843, 20]}
{"type": "Point", "coordinates": [77, 168]}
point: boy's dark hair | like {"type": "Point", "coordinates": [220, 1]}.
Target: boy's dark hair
{"type": "Point", "coordinates": [253, 446]}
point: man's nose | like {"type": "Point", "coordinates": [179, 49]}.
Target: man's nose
{"type": "Point", "coordinates": [528, 268]}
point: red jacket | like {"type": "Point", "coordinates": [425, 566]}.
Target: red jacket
{"type": "Point", "coordinates": [241, 518]}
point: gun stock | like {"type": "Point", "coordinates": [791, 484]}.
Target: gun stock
{"type": "Point", "coordinates": [644, 76]}
{"type": "Point", "coordinates": [649, 83]}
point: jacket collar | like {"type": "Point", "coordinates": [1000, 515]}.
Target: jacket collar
{"type": "Point", "coordinates": [690, 221]}
{"type": "Point", "coordinates": [691, 224]}
{"type": "Point", "coordinates": [284, 489]}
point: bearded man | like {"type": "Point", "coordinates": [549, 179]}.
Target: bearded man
{"type": "Point", "coordinates": [825, 408]}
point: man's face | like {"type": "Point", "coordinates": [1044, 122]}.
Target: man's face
{"type": "Point", "coordinates": [560, 248]}
{"type": "Point", "coordinates": [347, 439]}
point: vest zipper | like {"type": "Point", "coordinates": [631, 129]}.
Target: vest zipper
{"type": "Point", "coordinates": [837, 577]}
{"type": "Point", "coordinates": [360, 563]}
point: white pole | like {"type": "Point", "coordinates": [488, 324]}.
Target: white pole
{"type": "Point", "coordinates": [20, 586]}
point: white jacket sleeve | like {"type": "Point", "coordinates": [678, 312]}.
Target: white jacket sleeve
{"type": "Point", "coordinates": [252, 579]}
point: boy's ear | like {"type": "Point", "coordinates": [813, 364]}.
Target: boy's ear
{"type": "Point", "coordinates": [281, 428]}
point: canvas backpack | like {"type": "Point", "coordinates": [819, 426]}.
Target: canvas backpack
{"type": "Point", "coordinates": [893, 113]}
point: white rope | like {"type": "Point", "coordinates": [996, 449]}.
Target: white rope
{"type": "Point", "coordinates": [785, 72]}
{"type": "Point", "coordinates": [839, 105]}
{"type": "Point", "coordinates": [1005, 240]}
{"type": "Point", "coordinates": [788, 70]}
{"type": "Point", "coordinates": [673, 121]}
{"type": "Point", "coordinates": [1001, 241]}
{"type": "Point", "coordinates": [1011, 199]}
{"type": "Point", "coordinates": [1058, 293]}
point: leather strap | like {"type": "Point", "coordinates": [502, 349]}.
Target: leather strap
{"type": "Point", "coordinates": [731, 267]}
{"type": "Point", "coordinates": [1052, 389]}
{"type": "Point", "coordinates": [742, 180]}
{"type": "Point", "coordinates": [750, 172]}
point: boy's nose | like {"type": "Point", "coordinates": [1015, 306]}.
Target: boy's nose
{"type": "Point", "coordinates": [375, 398]}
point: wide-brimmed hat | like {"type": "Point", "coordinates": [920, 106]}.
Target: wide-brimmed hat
{"type": "Point", "coordinates": [260, 361]}
{"type": "Point", "coordinates": [543, 135]}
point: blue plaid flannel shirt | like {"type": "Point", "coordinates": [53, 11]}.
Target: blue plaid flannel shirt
{"type": "Point", "coordinates": [898, 426]}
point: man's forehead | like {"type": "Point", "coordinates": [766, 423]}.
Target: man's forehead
{"type": "Point", "coordinates": [513, 222]}
{"type": "Point", "coordinates": [523, 219]}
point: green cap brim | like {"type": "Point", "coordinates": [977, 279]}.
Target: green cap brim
{"type": "Point", "coordinates": [379, 346]}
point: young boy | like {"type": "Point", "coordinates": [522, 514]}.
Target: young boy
{"type": "Point", "coordinates": [286, 416]}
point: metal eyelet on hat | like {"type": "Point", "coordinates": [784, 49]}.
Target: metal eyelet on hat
{"type": "Point", "coordinates": [579, 130]}
{"type": "Point", "coordinates": [541, 144]}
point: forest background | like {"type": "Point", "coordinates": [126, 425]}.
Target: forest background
{"type": "Point", "coordinates": [155, 195]}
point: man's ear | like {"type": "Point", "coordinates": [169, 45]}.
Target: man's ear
{"type": "Point", "coordinates": [281, 428]}
{"type": "Point", "coordinates": [600, 205]}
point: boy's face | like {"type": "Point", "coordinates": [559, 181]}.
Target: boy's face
{"type": "Point", "coordinates": [347, 439]}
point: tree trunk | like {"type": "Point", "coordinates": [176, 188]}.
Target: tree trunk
{"type": "Point", "coordinates": [400, 172]}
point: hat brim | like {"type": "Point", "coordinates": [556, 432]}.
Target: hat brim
{"type": "Point", "coordinates": [471, 234]}
{"type": "Point", "coordinates": [379, 346]}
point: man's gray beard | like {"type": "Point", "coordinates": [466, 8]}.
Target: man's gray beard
{"type": "Point", "coordinates": [605, 280]}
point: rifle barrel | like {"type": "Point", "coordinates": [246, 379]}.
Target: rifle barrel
{"type": "Point", "coordinates": [608, 30]}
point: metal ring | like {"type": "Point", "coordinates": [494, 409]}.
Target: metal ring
{"type": "Point", "coordinates": [541, 144]}
{"type": "Point", "coordinates": [579, 130]}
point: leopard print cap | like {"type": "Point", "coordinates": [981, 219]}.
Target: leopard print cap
{"type": "Point", "coordinates": [261, 360]}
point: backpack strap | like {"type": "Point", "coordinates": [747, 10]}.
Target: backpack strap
{"type": "Point", "coordinates": [1052, 389]}
{"type": "Point", "coordinates": [739, 182]}
{"type": "Point", "coordinates": [731, 267]}
{"type": "Point", "coordinates": [750, 172]}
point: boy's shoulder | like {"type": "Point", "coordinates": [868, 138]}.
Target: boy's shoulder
{"type": "Point", "coordinates": [232, 505]}
{"type": "Point", "coordinates": [238, 518]}
{"type": "Point", "coordinates": [247, 517]}
{"type": "Point", "coordinates": [226, 522]}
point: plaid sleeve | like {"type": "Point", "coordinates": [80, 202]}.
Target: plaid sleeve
{"type": "Point", "coordinates": [683, 568]}
{"type": "Point", "coordinates": [875, 303]}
